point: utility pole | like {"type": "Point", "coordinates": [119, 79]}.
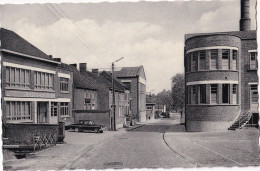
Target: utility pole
{"type": "Point", "coordinates": [113, 94]}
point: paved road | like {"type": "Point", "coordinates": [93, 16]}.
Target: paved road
{"type": "Point", "coordinates": [143, 147]}
{"type": "Point", "coordinates": [165, 144]}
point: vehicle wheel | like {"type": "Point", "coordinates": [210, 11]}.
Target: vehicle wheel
{"type": "Point", "coordinates": [76, 129]}
{"type": "Point", "coordinates": [96, 130]}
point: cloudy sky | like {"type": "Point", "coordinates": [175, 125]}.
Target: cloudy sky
{"type": "Point", "coordinates": [144, 33]}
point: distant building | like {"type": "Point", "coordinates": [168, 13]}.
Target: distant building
{"type": "Point", "coordinates": [221, 78]}
{"type": "Point", "coordinates": [150, 111]}
{"type": "Point", "coordinates": [134, 78]}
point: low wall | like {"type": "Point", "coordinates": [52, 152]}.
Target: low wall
{"type": "Point", "coordinates": [23, 133]}
{"type": "Point", "coordinates": [100, 117]}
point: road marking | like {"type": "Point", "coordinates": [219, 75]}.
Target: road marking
{"type": "Point", "coordinates": [194, 163]}
{"type": "Point", "coordinates": [217, 153]}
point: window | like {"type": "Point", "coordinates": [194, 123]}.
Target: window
{"type": "Point", "coordinates": [225, 58]}
{"type": "Point", "coordinates": [202, 60]}
{"type": "Point", "coordinates": [253, 60]}
{"type": "Point", "coordinates": [148, 108]}
{"type": "Point", "coordinates": [213, 59]}
{"type": "Point", "coordinates": [202, 93]}
{"type": "Point", "coordinates": [254, 93]}
{"type": "Point", "coordinates": [234, 92]}
{"type": "Point", "coordinates": [16, 77]}
{"type": "Point", "coordinates": [193, 95]}
{"type": "Point", "coordinates": [64, 84]}
{"type": "Point", "coordinates": [54, 109]}
{"type": "Point", "coordinates": [89, 99]}
{"type": "Point", "coordinates": [234, 59]}
{"type": "Point", "coordinates": [43, 80]}
{"type": "Point", "coordinates": [188, 59]}
{"type": "Point", "coordinates": [64, 109]}
{"type": "Point", "coordinates": [194, 61]}
{"type": "Point", "coordinates": [225, 93]}
{"type": "Point", "coordinates": [213, 93]}
{"type": "Point", "coordinates": [18, 111]}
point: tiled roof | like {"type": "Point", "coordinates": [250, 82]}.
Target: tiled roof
{"type": "Point", "coordinates": [80, 80]}
{"type": "Point", "coordinates": [128, 72]}
{"type": "Point", "coordinates": [118, 84]}
{"type": "Point", "coordinates": [13, 42]}
{"type": "Point", "coordinates": [242, 34]}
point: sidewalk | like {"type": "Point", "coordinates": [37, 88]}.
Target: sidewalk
{"type": "Point", "coordinates": [62, 156]}
{"type": "Point", "coordinates": [208, 149]}
{"type": "Point", "coordinates": [141, 124]}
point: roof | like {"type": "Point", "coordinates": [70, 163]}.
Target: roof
{"type": "Point", "coordinates": [129, 72]}
{"type": "Point", "coordinates": [80, 80]}
{"type": "Point", "coordinates": [118, 84]}
{"type": "Point", "coordinates": [241, 34]}
{"type": "Point", "coordinates": [13, 42]}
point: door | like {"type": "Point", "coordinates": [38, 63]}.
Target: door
{"type": "Point", "coordinates": [254, 101]}
{"type": "Point", "coordinates": [54, 113]}
{"type": "Point", "coordinates": [41, 112]}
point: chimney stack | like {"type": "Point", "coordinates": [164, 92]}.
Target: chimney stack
{"type": "Point", "coordinates": [245, 21]}
{"type": "Point", "coordinates": [74, 65]}
{"type": "Point", "coordinates": [82, 67]}
{"type": "Point", "coordinates": [95, 71]}
{"type": "Point", "coordinates": [57, 59]}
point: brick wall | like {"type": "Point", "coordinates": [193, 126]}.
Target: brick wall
{"type": "Point", "coordinates": [101, 117]}
{"type": "Point", "coordinates": [247, 75]}
{"type": "Point", "coordinates": [212, 75]}
{"type": "Point", "coordinates": [212, 112]}
{"type": "Point", "coordinates": [23, 133]}
{"type": "Point", "coordinates": [212, 40]}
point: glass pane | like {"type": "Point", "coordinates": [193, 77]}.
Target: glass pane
{"type": "Point", "coordinates": [225, 93]}
{"type": "Point", "coordinates": [7, 78]}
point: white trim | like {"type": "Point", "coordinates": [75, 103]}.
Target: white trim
{"type": "Point", "coordinates": [123, 81]}
{"type": "Point", "coordinates": [29, 56]}
{"type": "Point", "coordinates": [253, 83]}
{"type": "Point", "coordinates": [36, 99]}
{"type": "Point", "coordinates": [213, 47]}
{"type": "Point", "coordinates": [63, 75]}
{"type": "Point", "coordinates": [28, 67]}
{"type": "Point", "coordinates": [253, 50]}
{"type": "Point", "coordinates": [141, 80]}
{"type": "Point", "coordinates": [212, 82]}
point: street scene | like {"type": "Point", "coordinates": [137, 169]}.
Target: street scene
{"type": "Point", "coordinates": [115, 85]}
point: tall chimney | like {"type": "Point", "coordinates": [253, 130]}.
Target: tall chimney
{"type": "Point", "coordinates": [82, 67]}
{"type": "Point", "coordinates": [74, 65]}
{"type": "Point", "coordinates": [245, 21]}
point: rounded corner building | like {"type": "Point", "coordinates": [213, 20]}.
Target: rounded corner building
{"type": "Point", "coordinates": [221, 78]}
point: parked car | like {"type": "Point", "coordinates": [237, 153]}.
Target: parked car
{"type": "Point", "coordinates": [87, 125]}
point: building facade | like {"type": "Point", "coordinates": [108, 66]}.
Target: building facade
{"type": "Point", "coordinates": [134, 78]}
{"type": "Point", "coordinates": [220, 78]}
{"type": "Point", "coordinates": [35, 87]}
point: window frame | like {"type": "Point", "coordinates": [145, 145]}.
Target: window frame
{"type": "Point", "coordinates": [64, 85]}
{"type": "Point", "coordinates": [14, 111]}
{"type": "Point", "coordinates": [64, 109]}
{"type": "Point", "coordinates": [255, 61]}
{"type": "Point", "coordinates": [17, 82]}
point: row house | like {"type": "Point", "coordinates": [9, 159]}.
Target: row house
{"type": "Point", "coordinates": [134, 78]}
{"type": "Point", "coordinates": [92, 96]}
{"type": "Point", "coordinates": [35, 88]}
{"type": "Point", "coordinates": [36, 92]}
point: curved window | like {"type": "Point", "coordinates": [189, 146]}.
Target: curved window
{"type": "Point", "coordinates": [217, 59]}
{"type": "Point", "coordinates": [213, 94]}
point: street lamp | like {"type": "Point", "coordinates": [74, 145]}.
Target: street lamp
{"type": "Point", "coordinates": [113, 94]}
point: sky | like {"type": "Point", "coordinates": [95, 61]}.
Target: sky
{"type": "Point", "coordinates": [144, 33]}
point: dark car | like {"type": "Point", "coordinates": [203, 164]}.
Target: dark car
{"type": "Point", "coordinates": [87, 125]}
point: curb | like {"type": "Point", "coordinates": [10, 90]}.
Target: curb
{"type": "Point", "coordinates": [129, 129]}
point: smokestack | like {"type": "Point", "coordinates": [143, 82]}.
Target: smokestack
{"type": "Point", "coordinates": [245, 21]}
{"type": "Point", "coordinates": [82, 67]}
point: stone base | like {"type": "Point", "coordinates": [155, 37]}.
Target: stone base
{"type": "Point", "coordinates": [207, 126]}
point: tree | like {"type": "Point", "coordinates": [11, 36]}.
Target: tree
{"type": "Point", "coordinates": [178, 88]}
{"type": "Point", "coordinates": [165, 98]}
